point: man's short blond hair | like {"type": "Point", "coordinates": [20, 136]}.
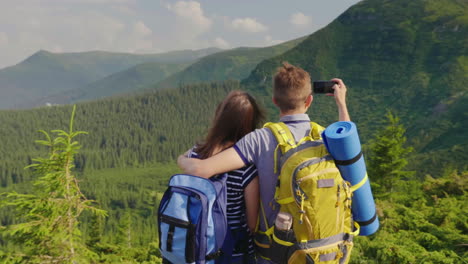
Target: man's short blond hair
{"type": "Point", "coordinates": [291, 87]}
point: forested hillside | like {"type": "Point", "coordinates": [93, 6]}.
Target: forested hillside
{"type": "Point", "coordinates": [125, 160]}
{"type": "Point", "coordinates": [407, 56]}
{"type": "Point", "coordinates": [128, 81]}
{"type": "Point", "coordinates": [45, 73]}
{"type": "Point", "coordinates": [125, 131]}
{"type": "Point", "coordinates": [235, 64]}
{"type": "Point", "coordinates": [128, 155]}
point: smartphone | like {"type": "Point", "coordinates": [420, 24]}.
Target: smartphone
{"type": "Point", "coordinates": [324, 87]}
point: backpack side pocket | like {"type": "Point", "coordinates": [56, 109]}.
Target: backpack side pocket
{"type": "Point", "coordinates": [282, 245]}
{"type": "Point", "coordinates": [179, 218]}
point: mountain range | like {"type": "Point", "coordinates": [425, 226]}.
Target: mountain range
{"type": "Point", "coordinates": [235, 64]}
{"type": "Point", "coordinates": [45, 74]}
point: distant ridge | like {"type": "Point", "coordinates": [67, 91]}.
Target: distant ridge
{"type": "Point", "coordinates": [124, 82]}
{"type": "Point", "coordinates": [234, 64]}
{"type": "Point", "coordinates": [98, 55]}
{"type": "Point", "coordinates": [45, 73]}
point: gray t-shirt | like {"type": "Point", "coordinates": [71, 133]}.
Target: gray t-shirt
{"type": "Point", "coordinates": [258, 147]}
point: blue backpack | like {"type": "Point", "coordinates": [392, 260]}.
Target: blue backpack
{"type": "Point", "coordinates": [192, 220]}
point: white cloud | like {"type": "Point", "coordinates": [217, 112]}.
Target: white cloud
{"type": "Point", "coordinates": [191, 12]}
{"type": "Point", "coordinates": [141, 29]}
{"type": "Point", "coordinates": [60, 28]}
{"type": "Point", "coordinates": [187, 27]}
{"type": "Point", "coordinates": [57, 49]}
{"type": "Point", "coordinates": [146, 25]}
{"type": "Point", "coordinates": [250, 25]}
{"type": "Point", "coordinates": [221, 43]}
{"type": "Point", "coordinates": [141, 38]}
{"type": "Point", "coordinates": [94, 27]}
{"type": "Point", "coordinates": [269, 41]}
{"type": "Point", "coordinates": [299, 19]}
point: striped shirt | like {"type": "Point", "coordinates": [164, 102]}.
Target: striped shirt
{"type": "Point", "coordinates": [237, 181]}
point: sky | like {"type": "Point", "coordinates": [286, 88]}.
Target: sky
{"type": "Point", "coordinates": [155, 26]}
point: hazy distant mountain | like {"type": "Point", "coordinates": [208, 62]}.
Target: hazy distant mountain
{"type": "Point", "coordinates": [131, 80]}
{"type": "Point", "coordinates": [45, 73]}
{"type": "Point", "coordinates": [235, 64]}
{"type": "Point", "coordinates": [231, 64]}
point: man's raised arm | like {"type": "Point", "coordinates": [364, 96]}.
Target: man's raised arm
{"type": "Point", "coordinates": [340, 97]}
{"type": "Point", "coordinates": [224, 161]}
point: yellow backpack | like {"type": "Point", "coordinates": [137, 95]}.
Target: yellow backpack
{"type": "Point", "coordinates": [312, 191]}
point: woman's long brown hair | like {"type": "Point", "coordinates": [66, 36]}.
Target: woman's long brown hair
{"type": "Point", "coordinates": [236, 116]}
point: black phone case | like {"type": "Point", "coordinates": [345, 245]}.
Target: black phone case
{"type": "Point", "coordinates": [325, 87]}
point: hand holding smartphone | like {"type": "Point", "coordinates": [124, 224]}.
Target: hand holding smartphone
{"type": "Point", "coordinates": [323, 87]}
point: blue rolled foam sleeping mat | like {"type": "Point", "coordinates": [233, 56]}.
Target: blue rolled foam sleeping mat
{"type": "Point", "coordinates": [342, 141]}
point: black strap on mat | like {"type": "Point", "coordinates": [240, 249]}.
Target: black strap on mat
{"type": "Point", "coordinates": [350, 161]}
{"type": "Point", "coordinates": [368, 222]}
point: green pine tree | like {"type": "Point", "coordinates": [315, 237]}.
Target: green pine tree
{"type": "Point", "coordinates": [388, 156]}
{"type": "Point", "coordinates": [48, 231]}
{"type": "Point", "coordinates": [124, 231]}
{"type": "Point", "coordinates": [95, 231]}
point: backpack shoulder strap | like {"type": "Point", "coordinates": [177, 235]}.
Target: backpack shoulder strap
{"type": "Point", "coordinates": [284, 137]}
{"type": "Point", "coordinates": [316, 131]}
{"type": "Point", "coordinates": [282, 134]}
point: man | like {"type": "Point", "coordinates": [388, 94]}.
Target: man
{"type": "Point", "coordinates": [292, 94]}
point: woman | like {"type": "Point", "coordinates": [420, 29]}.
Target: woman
{"type": "Point", "coordinates": [237, 115]}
